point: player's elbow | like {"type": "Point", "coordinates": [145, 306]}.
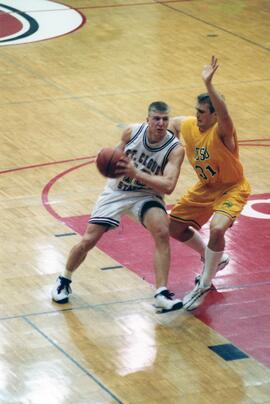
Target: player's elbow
{"type": "Point", "coordinates": [169, 188]}
{"type": "Point", "coordinates": [168, 192]}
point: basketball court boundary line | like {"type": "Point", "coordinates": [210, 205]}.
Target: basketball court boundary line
{"type": "Point", "coordinates": [242, 142]}
{"type": "Point", "coordinates": [112, 303]}
{"type": "Point", "coordinates": [72, 360]}
{"type": "Point", "coordinates": [76, 308]}
{"type": "Point", "coordinates": [215, 26]}
{"type": "Point", "coordinates": [10, 170]}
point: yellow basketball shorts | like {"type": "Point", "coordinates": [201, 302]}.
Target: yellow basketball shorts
{"type": "Point", "coordinates": [197, 206]}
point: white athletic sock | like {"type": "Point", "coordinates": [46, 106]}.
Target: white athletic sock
{"type": "Point", "coordinates": [159, 290]}
{"type": "Point", "coordinates": [67, 274]}
{"type": "Point", "coordinates": [223, 257]}
{"type": "Point", "coordinates": [196, 243]}
{"type": "Point", "coordinates": [212, 259]}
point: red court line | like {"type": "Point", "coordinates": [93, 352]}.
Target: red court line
{"type": "Point", "coordinates": [255, 144]}
{"type": "Point", "coordinates": [46, 189]}
{"type": "Point", "coordinates": [246, 142]}
{"type": "Point", "coordinates": [254, 140]}
{"type": "Point", "coordinates": [10, 170]}
{"type": "Point", "coordinates": [233, 308]}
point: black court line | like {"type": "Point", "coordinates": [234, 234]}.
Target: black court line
{"type": "Point", "coordinates": [80, 307]}
{"type": "Point", "coordinates": [65, 234]}
{"type": "Point", "coordinates": [168, 5]}
{"type": "Point", "coordinates": [141, 299]}
{"type": "Point", "coordinates": [78, 7]}
{"type": "Point", "coordinates": [71, 359]}
{"type": "Point", "coordinates": [113, 267]}
{"type": "Point", "coordinates": [215, 26]}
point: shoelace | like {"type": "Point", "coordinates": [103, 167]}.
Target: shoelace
{"type": "Point", "coordinates": [168, 294]}
{"type": "Point", "coordinates": [64, 284]}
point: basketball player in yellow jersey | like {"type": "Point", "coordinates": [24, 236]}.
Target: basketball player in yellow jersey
{"type": "Point", "coordinates": [222, 190]}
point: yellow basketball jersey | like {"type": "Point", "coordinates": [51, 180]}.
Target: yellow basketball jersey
{"type": "Point", "coordinates": [213, 162]}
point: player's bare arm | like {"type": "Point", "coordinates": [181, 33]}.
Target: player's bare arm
{"type": "Point", "coordinates": [225, 125]}
{"type": "Point", "coordinates": [165, 183]}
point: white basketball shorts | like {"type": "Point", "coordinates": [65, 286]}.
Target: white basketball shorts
{"type": "Point", "coordinates": [111, 205]}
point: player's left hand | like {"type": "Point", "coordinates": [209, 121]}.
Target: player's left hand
{"type": "Point", "coordinates": [126, 167]}
{"type": "Point", "coordinates": [209, 70]}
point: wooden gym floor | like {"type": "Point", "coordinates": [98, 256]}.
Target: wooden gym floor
{"type": "Point", "coordinates": [64, 98]}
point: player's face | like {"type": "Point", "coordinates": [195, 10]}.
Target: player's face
{"type": "Point", "coordinates": [205, 119]}
{"type": "Point", "coordinates": [158, 123]}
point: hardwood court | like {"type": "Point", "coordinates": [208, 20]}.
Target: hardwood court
{"type": "Point", "coordinates": [62, 100]}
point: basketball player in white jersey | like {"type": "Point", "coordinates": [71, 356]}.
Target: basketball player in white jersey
{"type": "Point", "coordinates": [149, 171]}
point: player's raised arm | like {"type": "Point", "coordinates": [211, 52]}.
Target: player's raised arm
{"type": "Point", "coordinates": [225, 123]}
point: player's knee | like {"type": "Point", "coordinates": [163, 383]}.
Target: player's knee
{"type": "Point", "coordinates": [161, 233]}
{"type": "Point", "coordinates": [217, 232]}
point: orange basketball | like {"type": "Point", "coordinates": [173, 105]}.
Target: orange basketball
{"type": "Point", "coordinates": [107, 159]}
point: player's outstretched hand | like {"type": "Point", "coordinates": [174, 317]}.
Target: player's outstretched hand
{"type": "Point", "coordinates": [209, 70]}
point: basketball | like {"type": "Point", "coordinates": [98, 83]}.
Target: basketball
{"type": "Point", "coordinates": [107, 159]}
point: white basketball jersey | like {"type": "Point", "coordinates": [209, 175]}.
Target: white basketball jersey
{"type": "Point", "coordinates": [146, 157]}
